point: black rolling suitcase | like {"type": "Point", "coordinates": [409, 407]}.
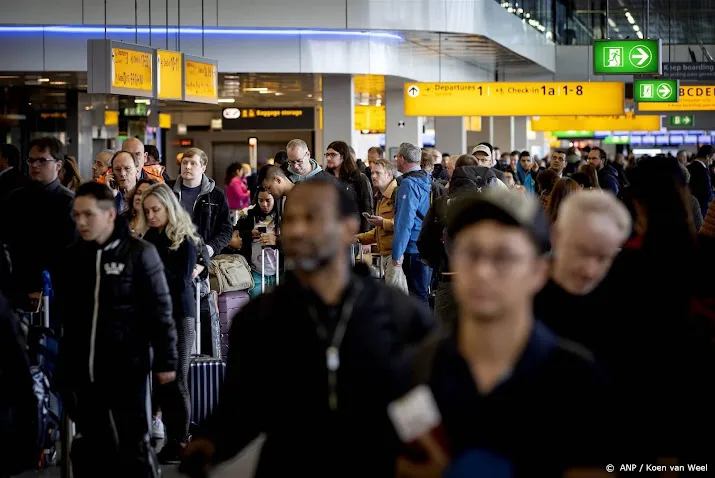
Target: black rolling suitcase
{"type": "Point", "coordinates": [205, 378]}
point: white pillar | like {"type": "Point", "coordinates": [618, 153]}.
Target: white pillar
{"type": "Point", "coordinates": [450, 134]}
{"type": "Point", "coordinates": [519, 133]}
{"type": "Point", "coordinates": [400, 128]}
{"type": "Point", "coordinates": [338, 110]}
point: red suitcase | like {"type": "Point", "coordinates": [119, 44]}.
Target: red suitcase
{"type": "Point", "coordinates": [229, 303]}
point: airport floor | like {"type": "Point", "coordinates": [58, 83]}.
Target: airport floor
{"type": "Point", "coordinates": [241, 467]}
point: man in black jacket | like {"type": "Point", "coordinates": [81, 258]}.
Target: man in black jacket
{"type": "Point", "coordinates": [37, 223]}
{"type": "Point", "coordinates": [313, 361]}
{"type": "Point", "coordinates": [117, 311]}
{"type": "Point", "coordinates": [206, 203]}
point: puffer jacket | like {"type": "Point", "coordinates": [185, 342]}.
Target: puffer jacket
{"type": "Point", "coordinates": [116, 308]}
{"type": "Point", "coordinates": [383, 235]}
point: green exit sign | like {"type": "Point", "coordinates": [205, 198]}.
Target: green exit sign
{"type": "Point", "coordinates": [626, 57]}
{"type": "Point", "coordinates": [655, 91]}
{"type": "Point", "coordinates": [682, 120]}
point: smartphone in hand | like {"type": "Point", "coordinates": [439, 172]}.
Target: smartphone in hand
{"type": "Point", "coordinates": [366, 215]}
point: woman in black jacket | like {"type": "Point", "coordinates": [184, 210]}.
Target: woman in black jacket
{"type": "Point", "coordinates": [341, 163]}
{"type": "Point", "coordinates": [170, 228]}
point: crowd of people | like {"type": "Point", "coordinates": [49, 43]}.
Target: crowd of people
{"type": "Point", "coordinates": [473, 315]}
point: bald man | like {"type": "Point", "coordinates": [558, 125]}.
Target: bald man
{"type": "Point", "coordinates": [136, 148]}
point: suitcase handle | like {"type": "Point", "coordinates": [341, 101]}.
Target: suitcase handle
{"type": "Point", "coordinates": [197, 343]}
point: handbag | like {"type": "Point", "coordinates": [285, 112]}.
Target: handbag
{"type": "Point", "coordinates": [230, 272]}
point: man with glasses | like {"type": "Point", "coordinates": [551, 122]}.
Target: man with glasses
{"type": "Point", "coordinates": [37, 224]}
{"type": "Point", "coordinates": [124, 176]}
{"type": "Point", "coordinates": [501, 378]}
{"type": "Point", "coordinates": [300, 165]}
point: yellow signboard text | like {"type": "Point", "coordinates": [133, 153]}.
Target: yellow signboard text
{"type": "Point", "coordinates": [132, 69]}
{"type": "Point", "coordinates": [692, 98]}
{"type": "Point", "coordinates": [513, 99]}
{"type": "Point", "coordinates": [201, 80]}
{"type": "Point", "coordinates": [169, 81]}
{"type": "Point", "coordinates": [626, 122]}
{"type": "Point", "coordinates": [370, 118]}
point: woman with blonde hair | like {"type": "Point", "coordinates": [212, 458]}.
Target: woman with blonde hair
{"type": "Point", "coordinates": [170, 228]}
{"type": "Point", "coordinates": [134, 199]}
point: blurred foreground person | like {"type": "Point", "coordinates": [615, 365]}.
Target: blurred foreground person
{"type": "Point", "coordinates": [312, 361]}
{"type": "Point", "coordinates": [500, 379]}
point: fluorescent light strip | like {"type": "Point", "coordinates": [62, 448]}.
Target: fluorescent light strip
{"type": "Point", "coordinates": [196, 31]}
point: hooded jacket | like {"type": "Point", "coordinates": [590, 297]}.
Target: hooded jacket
{"type": "Point", "coordinates": [211, 214]}
{"type": "Point", "coordinates": [526, 178]}
{"type": "Point", "coordinates": [608, 179]}
{"type": "Point", "coordinates": [411, 206]}
{"type": "Point", "coordinates": [117, 312]}
{"type": "Point", "coordinates": [317, 171]}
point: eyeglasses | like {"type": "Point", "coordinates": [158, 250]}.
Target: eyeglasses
{"type": "Point", "coordinates": [40, 161]}
{"type": "Point", "coordinates": [296, 161]}
{"type": "Point", "coordinates": [330, 155]}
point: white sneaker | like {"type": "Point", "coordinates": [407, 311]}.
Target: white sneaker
{"type": "Point", "coordinates": [157, 428]}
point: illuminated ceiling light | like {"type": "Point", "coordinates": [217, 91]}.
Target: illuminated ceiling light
{"type": "Point", "coordinates": [510, 10]}
{"type": "Point", "coordinates": [131, 30]}
{"type": "Point", "coordinates": [640, 35]}
{"type": "Point", "coordinates": [43, 80]}
{"type": "Point", "coordinates": [141, 101]}
{"type": "Point", "coordinates": [612, 23]}
{"type": "Point", "coordinates": [528, 15]}
{"type": "Point", "coordinates": [267, 91]}
{"type": "Point", "coordinates": [631, 20]}
{"type": "Point", "coordinates": [58, 83]}
{"type": "Point", "coordinates": [8, 77]}
{"type": "Point", "coordinates": [279, 93]}
{"type": "Point", "coordinates": [260, 90]}
{"type": "Point", "coordinates": [636, 28]}
{"type": "Point", "coordinates": [226, 100]}
{"type": "Point", "coordinates": [310, 96]}
{"type": "Point", "coordinates": [519, 10]}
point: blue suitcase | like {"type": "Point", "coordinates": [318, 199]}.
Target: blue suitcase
{"type": "Point", "coordinates": [205, 379]}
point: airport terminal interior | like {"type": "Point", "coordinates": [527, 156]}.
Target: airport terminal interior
{"type": "Point", "coordinates": [528, 181]}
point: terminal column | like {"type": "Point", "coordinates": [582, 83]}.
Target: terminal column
{"type": "Point", "coordinates": [87, 135]}
{"type": "Point", "coordinates": [338, 110]}
{"type": "Point", "coordinates": [400, 128]}
{"type": "Point", "coordinates": [509, 132]}
{"type": "Point", "coordinates": [451, 134]}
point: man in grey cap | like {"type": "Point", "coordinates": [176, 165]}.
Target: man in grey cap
{"type": "Point", "coordinates": [501, 377]}
{"type": "Point", "coordinates": [485, 157]}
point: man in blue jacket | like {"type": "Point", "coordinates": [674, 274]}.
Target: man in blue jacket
{"type": "Point", "coordinates": [412, 203]}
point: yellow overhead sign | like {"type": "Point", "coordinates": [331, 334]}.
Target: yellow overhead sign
{"type": "Point", "coordinates": [132, 69]}
{"type": "Point", "coordinates": [625, 122]}
{"type": "Point", "coordinates": [164, 121]}
{"type": "Point", "coordinates": [691, 98]}
{"type": "Point", "coordinates": [514, 99]}
{"type": "Point", "coordinates": [111, 118]}
{"type": "Point", "coordinates": [200, 80]}
{"type": "Point", "coordinates": [370, 118]}
{"type": "Point", "coordinates": [169, 72]}
{"type": "Point", "coordinates": [474, 123]}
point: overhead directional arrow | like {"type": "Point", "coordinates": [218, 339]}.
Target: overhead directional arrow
{"type": "Point", "coordinates": [664, 91]}
{"type": "Point", "coordinates": [642, 56]}
{"type": "Point", "coordinates": [413, 91]}
{"type": "Point", "coordinates": [686, 120]}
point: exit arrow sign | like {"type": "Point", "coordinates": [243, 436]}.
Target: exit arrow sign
{"type": "Point", "coordinates": [627, 57]}
{"type": "Point", "coordinates": [682, 120]}
{"type": "Point", "coordinates": [655, 91]}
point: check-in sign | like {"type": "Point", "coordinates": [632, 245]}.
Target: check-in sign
{"type": "Point", "coordinates": [513, 99]}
